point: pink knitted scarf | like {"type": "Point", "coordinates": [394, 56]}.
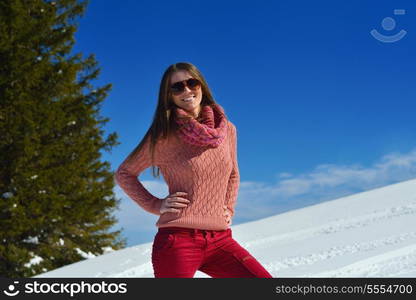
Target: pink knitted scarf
{"type": "Point", "coordinates": [210, 131]}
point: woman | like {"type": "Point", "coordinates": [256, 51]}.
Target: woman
{"type": "Point", "coordinates": [194, 145]}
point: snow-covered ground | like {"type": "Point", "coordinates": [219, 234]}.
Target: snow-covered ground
{"type": "Point", "coordinates": [369, 234]}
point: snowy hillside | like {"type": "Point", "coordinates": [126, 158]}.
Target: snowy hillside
{"type": "Point", "coordinates": [369, 234]}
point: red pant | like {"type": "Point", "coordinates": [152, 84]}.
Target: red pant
{"type": "Point", "coordinates": [180, 252]}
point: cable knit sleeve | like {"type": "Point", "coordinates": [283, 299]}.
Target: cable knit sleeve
{"type": "Point", "coordinates": [126, 177]}
{"type": "Point", "coordinates": [234, 180]}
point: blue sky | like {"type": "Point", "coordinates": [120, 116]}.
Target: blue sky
{"type": "Point", "coordinates": [322, 108]}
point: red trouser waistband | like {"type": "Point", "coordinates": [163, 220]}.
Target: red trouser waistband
{"type": "Point", "coordinates": [189, 230]}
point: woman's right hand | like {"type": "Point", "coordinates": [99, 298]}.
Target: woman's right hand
{"type": "Point", "coordinates": [174, 202]}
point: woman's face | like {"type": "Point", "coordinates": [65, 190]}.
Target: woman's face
{"type": "Point", "coordinates": [193, 106]}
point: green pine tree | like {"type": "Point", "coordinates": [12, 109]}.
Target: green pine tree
{"type": "Point", "coordinates": [56, 194]}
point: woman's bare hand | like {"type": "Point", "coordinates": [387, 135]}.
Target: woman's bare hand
{"type": "Point", "coordinates": [227, 215]}
{"type": "Point", "coordinates": [173, 203]}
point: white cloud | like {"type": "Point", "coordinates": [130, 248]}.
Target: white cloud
{"type": "Point", "coordinates": [131, 215]}
{"type": "Point", "coordinates": [285, 175]}
{"type": "Point", "coordinates": [138, 225]}
{"type": "Point", "coordinates": [324, 182]}
{"type": "Point", "coordinates": [391, 168]}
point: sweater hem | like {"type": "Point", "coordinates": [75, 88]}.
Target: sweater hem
{"type": "Point", "coordinates": [207, 223]}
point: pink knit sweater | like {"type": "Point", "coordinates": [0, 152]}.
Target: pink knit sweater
{"type": "Point", "coordinates": [210, 176]}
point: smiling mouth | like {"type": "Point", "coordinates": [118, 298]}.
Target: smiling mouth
{"type": "Point", "coordinates": [189, 99]}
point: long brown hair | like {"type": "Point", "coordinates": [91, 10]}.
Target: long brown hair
{"type": "Point", "coordinates": [163, 125]}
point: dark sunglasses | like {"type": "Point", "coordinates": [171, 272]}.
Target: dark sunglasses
{"type": "Point", "coordinates": [179, 87]}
